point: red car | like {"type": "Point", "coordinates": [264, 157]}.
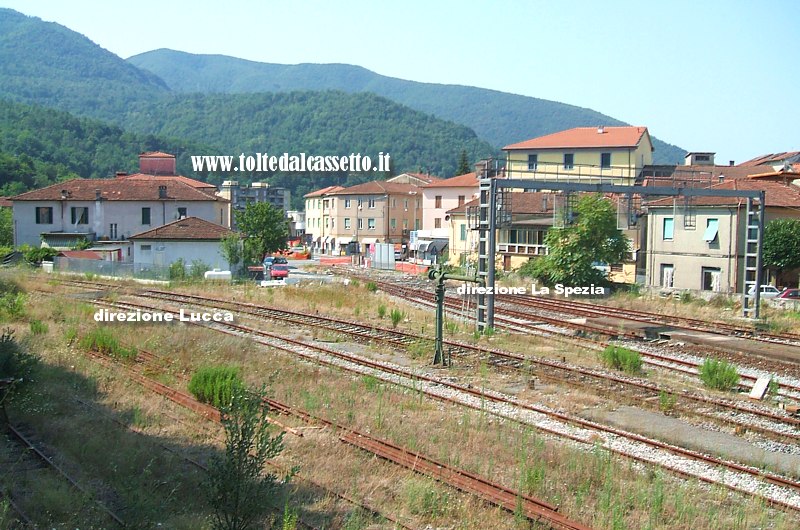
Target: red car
{"type": "Point", "coordinates": [793, 294]}
{"type": "Point", "coordinates": [277, 271]}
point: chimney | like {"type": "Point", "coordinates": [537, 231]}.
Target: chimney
{"type": "Point", "coordinates": [157, 164]}
{"type": "Point", "coordinates": [730, 163]}
{"type": "Point", "coordinates": [64, 194]}
{"type": "Point", "coordinates": [721, 178]}
{"type": "Point", "coordinates": [601, 129]}
{"type": "Point", "coordinates": [97, 194]}
{"type": "Point", "coordinates": [162, 192]}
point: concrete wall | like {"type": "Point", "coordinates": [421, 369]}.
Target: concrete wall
{"type": "Point", "coordinates": [164, 253]}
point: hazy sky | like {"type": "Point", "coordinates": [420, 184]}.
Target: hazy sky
{"type": "Point", "coordinates": [706, 75]}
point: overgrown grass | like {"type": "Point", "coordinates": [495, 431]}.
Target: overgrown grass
{"type": "Point", "coordinates": [396, 315]}
{"type": "Point", "coordinates": [372, 287]}
{"type": "Point", "coordinates": [215, 384]}
{"type": "Point", "coordinates": [102, 340]}
{"type": "Point", "coordinates": [623, 359]}
{"type": "Point", "coordinates": [381, 311]}
{"type": "Point", "coordinates": [719, 374]}
{"type": "Point", "coordinates": [38, 327]}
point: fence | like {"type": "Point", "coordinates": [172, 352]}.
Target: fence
{"type": "Point", "coordinates": [115, 269]}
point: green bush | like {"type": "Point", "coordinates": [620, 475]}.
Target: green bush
{"type": "Point", "coordinates": [15, 363]}
{"type": "Point", "coordinates": [36, 255]}
{"type": "Point", "coordinates": [38, 327]}
{"type": "Point", "coordinates": [177, 270]}
{"type": "Point", "coordinates": [372, 287]}
{"type": "Point", "coordinates": [719, 374]}
{"type": "Point", "coordinates": [12, 305]}
{"type": "Point", "coordinates": [198, 270]}
{"type": "Point", "coordinates": [396, 315]}
{"type": "Point", "coordinates": [622, 359]}
{"type": "Point", "coordinates": [215, 385]}
{"type": "Point", "coordinates": [102, 340]}
{"type": "Point", "coordinates": [381, 311]}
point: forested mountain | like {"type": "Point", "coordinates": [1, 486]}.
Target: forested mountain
{"type": "Point", "coordinates": [40, 146]}
{"type": "Point", "coordinates": [498, 117]}
{"type": "Point", "coordinates": [47, 64]}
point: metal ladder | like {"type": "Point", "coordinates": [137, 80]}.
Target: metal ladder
{"type": "Point", "coordinates": [754, 226]}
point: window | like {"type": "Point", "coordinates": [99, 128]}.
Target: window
{"type": "Point", "coordinates": [405, 205]}
{"type": "Point", "coordinates": [667, 273]}
{"type": "Point", "coordinates": [461, 200]}
{"type": "Point", "coordinates": [605, 160]}
{"type": "Point", "coordinates": [347, 223]}
{"type": "Point", "coordinates": [360, 224]}
{"type": "Point", "coordinates": [438, 201]}
{"type": "Point", "coordinates": [711, 277]}
{"type": "Point", "coordinates": [533, 162]}
{"type": "Point", "coordinates": [405, 224]}
{"type": "Point", "coordinates": [112, 231]}
{"type": "Point", "coordinates": [416, 224]}
{"type": "Point", "coordinates": [394, 203]}
{"type": "Point", "coordinates": [712, 230]}
{"type": "Point", "coordinates": [616, 267]}
{"type": "Point", "coordinates": [393, 223]}
{"type": "Point", "coordinates": [669, 228]}
{"type": "Point", "coordinates": [371, 202]}
{"type": "Point", "coordinates": [145, 216]}
{"type": "Point", "coordinates": [80, 215]}
{"type": "Point", "coordinates": [371, 224]}
{"type": "Point", "coordinates": [463, 232]}
{"type": "Point", "coordinates": [181, 213]}
{"type": "Point", "coordinates": [44, 215]}
{"type": "Point", "coordinates": [437, 223]}
{"type": "Point", "coordinates": [347, 203]}
{"type": "Point", "coordinates": [146, 248]}
{"type": "Point", "coordinates": [360, 203]}
{"type": "Point", "coordinates": [569, 160]}
{"type": "Point", "coordinates": [325, 204]}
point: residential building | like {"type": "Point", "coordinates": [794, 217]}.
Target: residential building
{"type": "Point", "coordinates": [318, 216]}
{"type": "Point", "coordinates": [699, 245]}
{"type": "Point", "coordinates": [108, 210]}
{"type": "Point", "coordinates": [190, 239]}
{"type": "Point", "coordinates": [582, 154]}
{"type": "Point", "coordinates": [257, 192]}
{"type": "Point", "coordinates": [440, 197]}
{"type": "Point", "coordinates": [297, 225]}
{"type": "Point", "coordinates": [531, 218]}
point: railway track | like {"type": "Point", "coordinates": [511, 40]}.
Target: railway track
{"type": "Point", "coordinates": [780, 491]}
{"type": "Point", "coordinates": [491, 492]}
{"type": "Point", "coordinates": [499, 357]}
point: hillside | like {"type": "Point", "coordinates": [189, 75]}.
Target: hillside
{"type": "Point", "coordinates": [48, 64]}
{"type": "Point", "coordinates": [321, 123]}
{"type": "Point", "coordinates": [40, 146]}
{"type": "Point", "coordinates": [498, 117]}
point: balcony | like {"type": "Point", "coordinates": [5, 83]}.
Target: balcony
{"type": "Point", "coordinates": [522, 249]}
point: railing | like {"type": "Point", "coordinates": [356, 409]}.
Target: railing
{"type": "Point", "coordinates": [518, 248]}
{"type": "Point", "coordinates": [557, 171]}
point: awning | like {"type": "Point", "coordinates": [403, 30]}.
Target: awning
{"type": "Point", "coordinates": [326, 239]}
{"type": "Point", "coordinates": [422, 246]}
{"type": "Point", "coordinates": [437, 247]}
{"type": "Point", "coordinates": [711, 230]}
{"type": "Point", "coordinates": [345, 240]}
{"type": "Point", "coordinates": [369, 240]}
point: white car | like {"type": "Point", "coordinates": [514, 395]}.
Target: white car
{"type": "Point", "coordinates": [767, 291]}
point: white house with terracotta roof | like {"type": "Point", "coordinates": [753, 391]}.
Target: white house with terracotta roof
{"type": "Point", "coordinates": [190, 239]}
{"type": "Point", "coordinates": [700, 245]}
{"type": "Point", "coordinates": [108, 210]}
{"type": "Point", "coordinates": [582, 154]}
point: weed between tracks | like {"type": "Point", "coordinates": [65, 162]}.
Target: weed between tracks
{"type": "Point", "coordinates": [589, 484]}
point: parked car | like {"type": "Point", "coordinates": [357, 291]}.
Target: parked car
{"type": "Point", "coordinates": [279, 260]}
{"type": "Point", "coordinates": [277, 271]}
{"type": "Point", "coordinates": [767, 291]}
{"type": "Point", "coordinates": [268, 260]}
{"type": "Point", "coordinates": [792, 294]}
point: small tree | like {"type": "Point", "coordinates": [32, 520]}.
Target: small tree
{"type": "Point", "coordinates": [238, 491]}
{"type": "Point", "coordinates": [265, 227]}
{"type": "Point", "coordinates": [782, 245]}
{"type": "Point", "coordinates": [463, 163]}
{"type": "Point", "coordinates": [231, 248]}
{"type": "Point", "coordinates": [572, 250]}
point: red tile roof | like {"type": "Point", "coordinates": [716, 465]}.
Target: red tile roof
{"type": "Point", "coordinates": [425, 177]}
{"type": "Point", "coordinates": [585, 137]}
{"type": "Point", "coordinates": [117, 189]}
{"type": "Point", "coordinates": [777, 194]}
{"type": "Point", "coordinates": [376, 187]}
{"type": "Point", "coordinates": [769, 159]}
{"type": "Point", "coordinates": [467, 180]}
{"type": "Point", "coordinates": [155, 154]}
{"type": "Point", "coordinates": [5, 202]}
{"type": "Point", "coordinates": [192, 228]}
{"type": "Point", "coordinates": [521, 203]}
{"type": "Point", "coordinates": [180, 178]}
{"type": "Point", "coordinates": [80, 254]}
{"type": "Point", "coordinates": [323, 191]}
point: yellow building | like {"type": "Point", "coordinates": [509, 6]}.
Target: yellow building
{"type": "Point", "coordinates": [583, 154]}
